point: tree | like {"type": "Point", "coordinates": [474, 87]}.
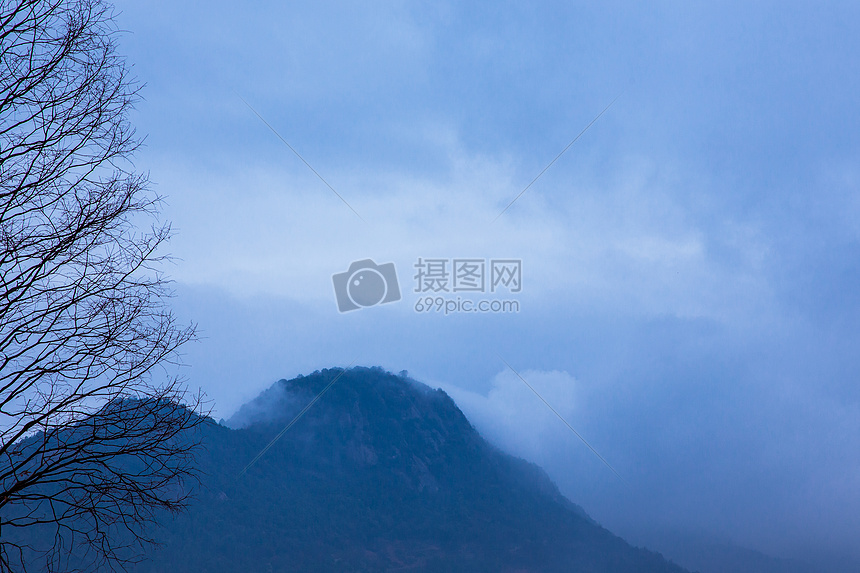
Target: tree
{"type": "Point", "coordinates": [92, 446]}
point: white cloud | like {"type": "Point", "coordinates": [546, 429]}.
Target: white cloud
{"type": "Point", "coordinates": [629, 245]}
{"type": "Point", "coordinates": [515, 419]}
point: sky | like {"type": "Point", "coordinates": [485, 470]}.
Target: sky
{"type": "Point", "coordinates": [689, 297]}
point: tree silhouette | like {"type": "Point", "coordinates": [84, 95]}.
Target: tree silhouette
{"type": "Point", "coordinates": [92, 446]}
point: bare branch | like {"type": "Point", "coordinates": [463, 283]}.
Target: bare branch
{"type": "Point", "coordinates": [91, 448]}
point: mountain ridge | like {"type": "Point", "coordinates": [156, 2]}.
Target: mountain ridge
{"type": "Point", "coordinates": [382, 473]}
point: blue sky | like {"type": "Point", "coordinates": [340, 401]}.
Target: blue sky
{"type": "Point", "coordinates": [690, 266]}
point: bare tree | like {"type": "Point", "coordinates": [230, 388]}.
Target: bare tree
{"type": "Point", "coordinates": [92, 447]}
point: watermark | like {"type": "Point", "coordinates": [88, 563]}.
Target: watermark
{"type": "Point", "coordinates": [444, 285]}
{"type": "Point", "coordinates": [450, 305]}
{"type": "Point", "coordinates": [365, 284]}
{"type": "Point", "coordinates": [468, 275]}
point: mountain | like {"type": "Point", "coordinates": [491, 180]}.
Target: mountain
{"type": "Point", "coordinates": [710, 557]}
{"type": "Point", "coordinates": [710, 554]}
{"type": "Point", "coordinates": [382, 473]}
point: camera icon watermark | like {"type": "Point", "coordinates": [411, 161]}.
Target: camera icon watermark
{"type": "Point", "coordinates": [365, 284]}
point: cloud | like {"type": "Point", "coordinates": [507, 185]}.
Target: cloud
{"type": "Point", "coordinates": [623, 244]}
{"type": "Point", "coordinates": [512, 416]}
{"type": "Point", "coordinates": [689, 266]}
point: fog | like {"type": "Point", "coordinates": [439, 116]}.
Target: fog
{"type": "Point", "coordinates": [690, 266]}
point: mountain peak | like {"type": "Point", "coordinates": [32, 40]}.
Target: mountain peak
{"type": "Point", "coordinates": [366, 417]}
{"type": "Point", "coordinates": [379, 473]}
{"type": "Point", "coordinates": [367, 391]}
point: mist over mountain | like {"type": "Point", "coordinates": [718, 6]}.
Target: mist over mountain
{"type": "Point", "coordinates": [382, 473]}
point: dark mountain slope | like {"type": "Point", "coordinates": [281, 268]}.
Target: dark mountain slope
{"type": "Point", "coordinates": [381, 474]}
